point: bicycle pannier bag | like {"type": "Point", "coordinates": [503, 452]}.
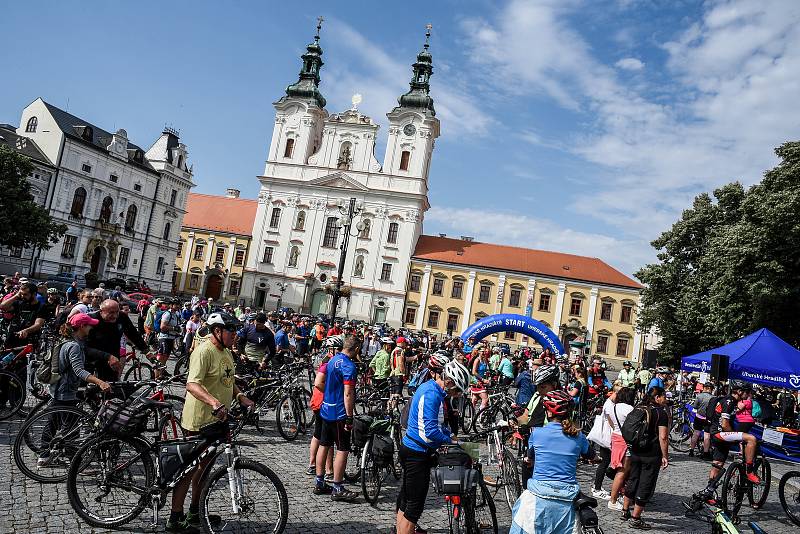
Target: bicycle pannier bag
{"type": "Point", "coordinates": [454, 475]}
{"type": "Point", "coordinates": [176, 455]}
{"type": "Point", "coordinates": [120, 418]}
{"type": "Point", "coordinates": [361, 424]}
{"type": "Point", "coordinates": [382, 450]}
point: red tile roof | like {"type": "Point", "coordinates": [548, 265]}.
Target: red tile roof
{"type": "Point", "coordinates": [220, 213]}
{"type": "Point", "coordinates": [523, 260]}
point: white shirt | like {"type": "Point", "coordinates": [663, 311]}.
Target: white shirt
{"type": "Point", "coordinates": [616, 411]}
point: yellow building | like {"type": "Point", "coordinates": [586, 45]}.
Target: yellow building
{"type": "Point", "coordinates": [455, 282]}
{"type": "Point", "coordinates": [214, 245]}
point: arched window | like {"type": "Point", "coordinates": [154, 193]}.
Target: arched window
{"type": "Point", "coordinates": [345, 155]}
{"type": "Point", "coordinates": [294, 256]}
{"type": "Point", "coordinates": [358, 270]}
{"type": "Point", "coordinates": [331, 232]}
{"type": "Point", "coordinates": [78, 201]}
{"type": "Point", "coordinates": [167, 228]}
{"type": "Point", "coordinates": [106, 209]}
{"type": "Point", "coordinates": [130, 217]}
{"type": "Point", "coordinates": [405, 158]}
{"type": "Point", "coordinates": [33, 122]}
{"type": "Point", "coordinates": [393, 229]}
{"type": "Point", "coordinates": [289, 148]}
{"type": "Point", "coordinates": [300, 223]}
{"type": "Point", "coordinates": [365, 229]}
{"type": "Point", "coordinates": [275, 218]}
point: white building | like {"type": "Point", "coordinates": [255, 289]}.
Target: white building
{"type": "Point", "coordinates": [316, 163]}
{"type": "Point", "coordinates": [123, 205]}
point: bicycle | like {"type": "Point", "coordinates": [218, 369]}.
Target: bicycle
{"type": "Point", "coordinates": [587, 517]}
{"type": "Point", "coordinates": [500, 455]}
{"type": "Point", "coordinates": [470, 508]}
{"type": "Point", "coordinates": [789, 495]}
{"type": "Point", "coordinates": [129, 466]}
{"type": "Point", "coordinates": [375, 469]}
{"type": "Point", "coordinates": [720, 521]}
{"type": "Point", "coordinates": [735, 485]}
{"type": "Point", "coordinates": [681, 429]}
{"type": "Point", "coordinates": [12, 388]}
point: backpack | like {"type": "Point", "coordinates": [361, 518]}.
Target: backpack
{"type": "Point", "coordinates": [63, 315]}
{"type": "Point", "coordinates": [421, 376]}
{"type": "Point", "coordinates": [711, 409]}
{"type": "Point", "coordinates": [756, 411]}
{"type": "Point", "coordinates": [635, 429]}
{"type": "Point", "coordinates": [157, 320]}
{"type": "Point", "coordinates": [49, 369]}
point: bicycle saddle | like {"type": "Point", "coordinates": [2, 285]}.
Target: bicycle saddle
{"type": "Point", "coordinates": [582, 501]}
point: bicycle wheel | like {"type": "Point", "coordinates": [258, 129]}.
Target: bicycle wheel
{"type": "Point", "coordinates": [181, 366]}
{"type": "Point", "coordinates": [139, 371]}
{"type": "Point", "coordinates": [484, 419]}
{"type": "Point", "coordinates": [733, 488]}
{"type": "Point", "coordinates": [680, 434]}
{"type": "Point", "coordinates": [12, 393]}
{"type": "Point", "coordinates": [512, 485]}
{"type": "Point", "coordinates": [484, 516]}
{"type": "Point", "coordinates": [460, 516]}
{"type": "Point", "coordinates": [154, 417]}
{"type": "Point", "coordinates": [287, 418]}
{"type": "Point", "coordinates": [254, 501]}
{"type": "Point", "coordinates": [789, 495]}
{"type": "Point", "coordinates": [467, 416]}
{"type": "Point", "coordinates": [371, 476]}
{"type": "Point", "coordinates": [109, 480]}
{"type": "Point", "coordinates": [757, 495]}
{"type": "Point", "coordinates": [49, 439]}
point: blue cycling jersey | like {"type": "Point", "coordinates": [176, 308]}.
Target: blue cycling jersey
{"type": "Point", "coordinates": [282, 340]}
{"type": "Point", "coordinates": [556, 453]}
{"type": "Point", "coordinates": [340, 371]}
{"type": "Point", "coordinates": [426, 422]}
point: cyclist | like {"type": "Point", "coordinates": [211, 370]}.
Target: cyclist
{"type": "Point", "coordinates": [338, 403]}
{"type": "Point", "coordinates": [658, 380]}
{"type": "Point", "coordinates": [700, 422]}
{"type": "Point", "coordinates": [169, 330]}
{"type": "Point", "coordinates": [546, 506]}
{"type": "Point", "coordinates": [480, 371]}
{"type": "Point", "coordinates": [397, 376]}
{"type": "Point", "coordinates": [332, 345]}
{"type": "Point", "coordinates": [106, 339]}
{"type": "Point", "coordinates": [723, 437]}
{"type": "Point", "coordinates": [505, 367]}
{"type": "Point", "coordinates": [210, 390]}
{"type": "Point", "coordinates": [380, 363]}
{"type": "Point", "coordinates": [27, 315]}
{"type": "Point", "coordinates": [427, 431]}
{"type": "Point", "coordinates": [257, 342]}
{"type": "Point", "coordinates": [627, 376]}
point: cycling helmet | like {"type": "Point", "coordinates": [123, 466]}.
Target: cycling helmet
{"type": "Point", "coordinates": [740, 384]}
{"type": "Point", "coordinates": [545, 374]}
{"type": "Point", "coordinates": [261, 317]}
{"type": "Point", "coordinates": [251, 316]}
{"type": "Point", "coordinates": [387, 340]}
{"type": "Point", "coordinates": [225, 320]}
{"type": "Point", "coordinates": [334, 342]}
{"type": "Point", "coordinates": [662, 370]}
{"type": "Point", "coordinates": [558, 403]}
{"type": "Point", "coordinates": [505, 350]}
{"type": "Point", "coordinates": [439, 360]}
{"type": "Point", "coordinates": [458, 374]}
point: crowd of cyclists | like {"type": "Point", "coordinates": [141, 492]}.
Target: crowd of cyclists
{"type": "Point", "coordinates": [444, 393]}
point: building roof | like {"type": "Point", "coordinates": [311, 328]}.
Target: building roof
{"type": "Point", "coordinates": [22, 145]}
{"type": "Point", "coordinates": [74, 127]}
{"type": "Point", "coordinates": [523, 260]}
{"type": "Point", "coordinates": [220, 213]}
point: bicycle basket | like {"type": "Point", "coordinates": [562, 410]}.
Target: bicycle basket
{"type": "Point", "coordinates": [361, 424]}
{"type": "Point", "coordinates": [122, 418]}
{"type": "Point", "coordinates": [175, 455]}
{"type": "Point", "coordinates": [382, 450]}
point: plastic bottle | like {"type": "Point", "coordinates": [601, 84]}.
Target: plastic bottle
{"type": "Point", "coordinates": [7, 358]}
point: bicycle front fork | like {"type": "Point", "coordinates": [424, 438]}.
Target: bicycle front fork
{"type": "Point", "coordinates": [235, 485]}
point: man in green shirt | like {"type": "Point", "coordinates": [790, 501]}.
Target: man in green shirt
{"type": "Point", "coordinates": [380, 363]}
{"type": "Point", "coordinates": [627, 376]}
{"type": "Point", "coordinates": [643, 378]}
{"type": "Point", "coordinates": [210, 389]}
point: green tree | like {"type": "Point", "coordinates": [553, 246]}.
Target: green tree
{"type": "Point", "coordinates": [730, 265]}
{"type": "Point", "coordinates": [23, 222]}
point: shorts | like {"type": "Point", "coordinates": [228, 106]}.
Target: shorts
{"type": "Point", "coordinates": [317, 425]}
{"type": "Point", "coordinates": [619, 448]}
{"type": "Point", "coordinates": [723, 441]}
{"type": "Point", "coordinates": [415, 482]}
{"type": "Point", "coordinates": [396, 385]}
{"type": "Point", "coordinates": [701, 425]}
{"type": "Point", "coordinates": [333, 433]}
{"type": "Point", "coordinates": [166, 346]}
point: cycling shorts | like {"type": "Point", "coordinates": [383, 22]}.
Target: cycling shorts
{"type": "Point", "coordinates": [729, 437]}
{"type": "Point", "coordinates": [723, 441]}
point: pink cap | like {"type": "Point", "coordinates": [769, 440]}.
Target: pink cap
{"type": "Point", "coordinates": [81, 319]}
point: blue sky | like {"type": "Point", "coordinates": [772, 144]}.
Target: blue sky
{"type": "Point", "coordinates": [570, 125]}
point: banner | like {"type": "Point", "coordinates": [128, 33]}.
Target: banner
{"type": "Point", "coordinates": [511, 322]}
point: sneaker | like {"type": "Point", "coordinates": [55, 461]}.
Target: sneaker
{"type": "Point", "coordinates": [691, 453]}
{"type": "Point", "coordinates": [638, 524]}
{"type": "Point", "coordinates": [181, 527]}
{"type": "Point", "coordinates": [345, 495]}
{"type": "Point", "coordinates": [625, 515]}
{"type": "Point", "coordinates": [323, 490]}
{"type": "Point", "coordinates": [753, 478]}
{"type": "Point", "coordinates": [329, 477]}
{"type": "Point", "coordinates": [44, 461]}
{"type": "Point", "coordinates": [601, 494]}
{"type": "Point", "coordinates": [311, 471]}
{"type": "Point", "coordinates": [615, 506]}
{"type": "Point", "coordinates": [194, 519]}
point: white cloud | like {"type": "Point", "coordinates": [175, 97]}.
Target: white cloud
{"type": "Point", "coordinates": [629, 63]}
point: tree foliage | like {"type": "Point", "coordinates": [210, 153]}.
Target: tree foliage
{"type": "Point", "coordinates": [23, 222]}
{"type": "Point", "coordinates": [730, 265]}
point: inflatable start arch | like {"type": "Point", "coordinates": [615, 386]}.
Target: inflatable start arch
{"type": "Point", "coordinates": [505, 322]}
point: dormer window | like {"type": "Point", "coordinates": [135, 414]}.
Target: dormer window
{"type": "Point", "coordinates": [88, 133]}
{"type": "Point", "coordinates": [33, 122]}
{"type": "Point", "coordinates": [138, 156]}
{"type": "Point", "coordinates": [405, 158]}
{"type": "Point", "coordinates": [287, 151]}
{"type": "Point", "coordinates": [180, 162]}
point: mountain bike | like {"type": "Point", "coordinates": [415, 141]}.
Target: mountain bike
{"type": "Point", "coordinates": [789, 495]}
{"type": "Point", "coordinates": [384, 433]}
{"type": "Point", "coordinates": [12, 387]}
{"type": "Point", "coordinates": [587, 517]}
{"type": "Point", "coordinates": [720, 521]}
{"type": "Point", "coordinates": [681, 429]}
{"type": "Point", "coordinates": [735, 485]}
{"type": "Point", "coordinates": [111, 481]}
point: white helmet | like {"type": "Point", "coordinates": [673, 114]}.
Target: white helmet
{"type": "Point", "coordinates": [439, 359]}
{"type": "Point", "coordinates": [387, 340]}
{"type": "Point", "coordinates": [458, 374]}
{"type": "Point", "coordinates": [334, 342]}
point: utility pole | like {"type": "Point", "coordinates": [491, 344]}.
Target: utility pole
{"type": "Point", "coordinates": [346, 222]}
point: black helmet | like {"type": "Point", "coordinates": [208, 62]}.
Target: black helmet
{"type": "Point", "coordinates": [225, 320]}
{"type": "Point", "coordinates": [740, 384]}
{"type": "Point", "coordinates": [261, 317]}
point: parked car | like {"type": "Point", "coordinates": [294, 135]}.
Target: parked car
{"type": "Point", "coordinates": [138, 296]}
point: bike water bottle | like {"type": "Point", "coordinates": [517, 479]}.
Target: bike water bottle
{"type": "Point", "coordinates": [7, 358]}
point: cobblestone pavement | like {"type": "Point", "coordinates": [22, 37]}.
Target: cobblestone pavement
{"type": "Point", "coordinates": [27, 506]}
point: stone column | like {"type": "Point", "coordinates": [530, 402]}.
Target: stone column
{"type": "Point", "coordinates": [592, 310]}
{"type": "Point", "coordinates": [423, 300]}
{"type": "Point", "coordinates": [468, 300]}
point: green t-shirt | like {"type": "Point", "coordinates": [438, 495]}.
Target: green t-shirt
{"type": "Point", "coordinates": [380, 365]}
{"type": "Point", "coordinates": [214, 370]}
{"type": "Point", "coordinates": [494, 361]}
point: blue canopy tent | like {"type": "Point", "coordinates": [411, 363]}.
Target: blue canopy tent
{"type": "Point", "coordinates": [701, 362]}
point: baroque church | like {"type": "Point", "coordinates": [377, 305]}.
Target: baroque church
{"type": "Point", "coordinates": [323, 166]}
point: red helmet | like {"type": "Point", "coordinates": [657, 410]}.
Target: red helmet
{"type": "Point", "coordinates": [401, 339]}
{"type": "Point", "coordinates": [558, 403]}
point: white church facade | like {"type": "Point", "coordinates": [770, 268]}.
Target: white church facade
{"type": "Point", "coordinates": [317, 162]}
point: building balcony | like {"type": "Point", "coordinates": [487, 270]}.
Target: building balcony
{"type": "Point", "coordinates": [106, 227]}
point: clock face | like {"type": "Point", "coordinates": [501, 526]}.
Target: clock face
{"type": "Point", "coordinates": [409, 129]}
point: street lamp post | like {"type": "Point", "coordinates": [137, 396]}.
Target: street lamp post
{"type": "Point", "coordinates": [347, 221]}
{"type": "Point", "coordinates": [282, 287]}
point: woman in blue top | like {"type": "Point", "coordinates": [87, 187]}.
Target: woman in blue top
{"type": "Point", "coordinates": [545, 507]}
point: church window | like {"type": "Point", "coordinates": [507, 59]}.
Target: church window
{"type": "Point", "coordinates": [167, 229]}
{"type": "Point", "coordinates": [33, 122]}
{"type": "Point", "coordinates": [359, 268]}
{"type": "Point", "coordinates": [405, 158]}
{"type": "Point", "coordinates": [364, 234]}
{"type": "Point", "coordinates": [287, 151]}
{"type": "Point", "coordinates": [345, 155]}
{"type": "Point", "coordinates": [130, 217]}
{"type": "Point", "coordinates": [294, 256]}
{"type": "Point", "coordinates": [393, 229]}
{"type": "Point", "coordinates": [105, 210]}
{"type": "Point", "coordinates": [275, 218]}
{"type": "Point", "coordinates": [78, 201]}
{"type": "Point", "coordinates": [301, 220]}
{"type": "Point", "coordinates": [331, 232]}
